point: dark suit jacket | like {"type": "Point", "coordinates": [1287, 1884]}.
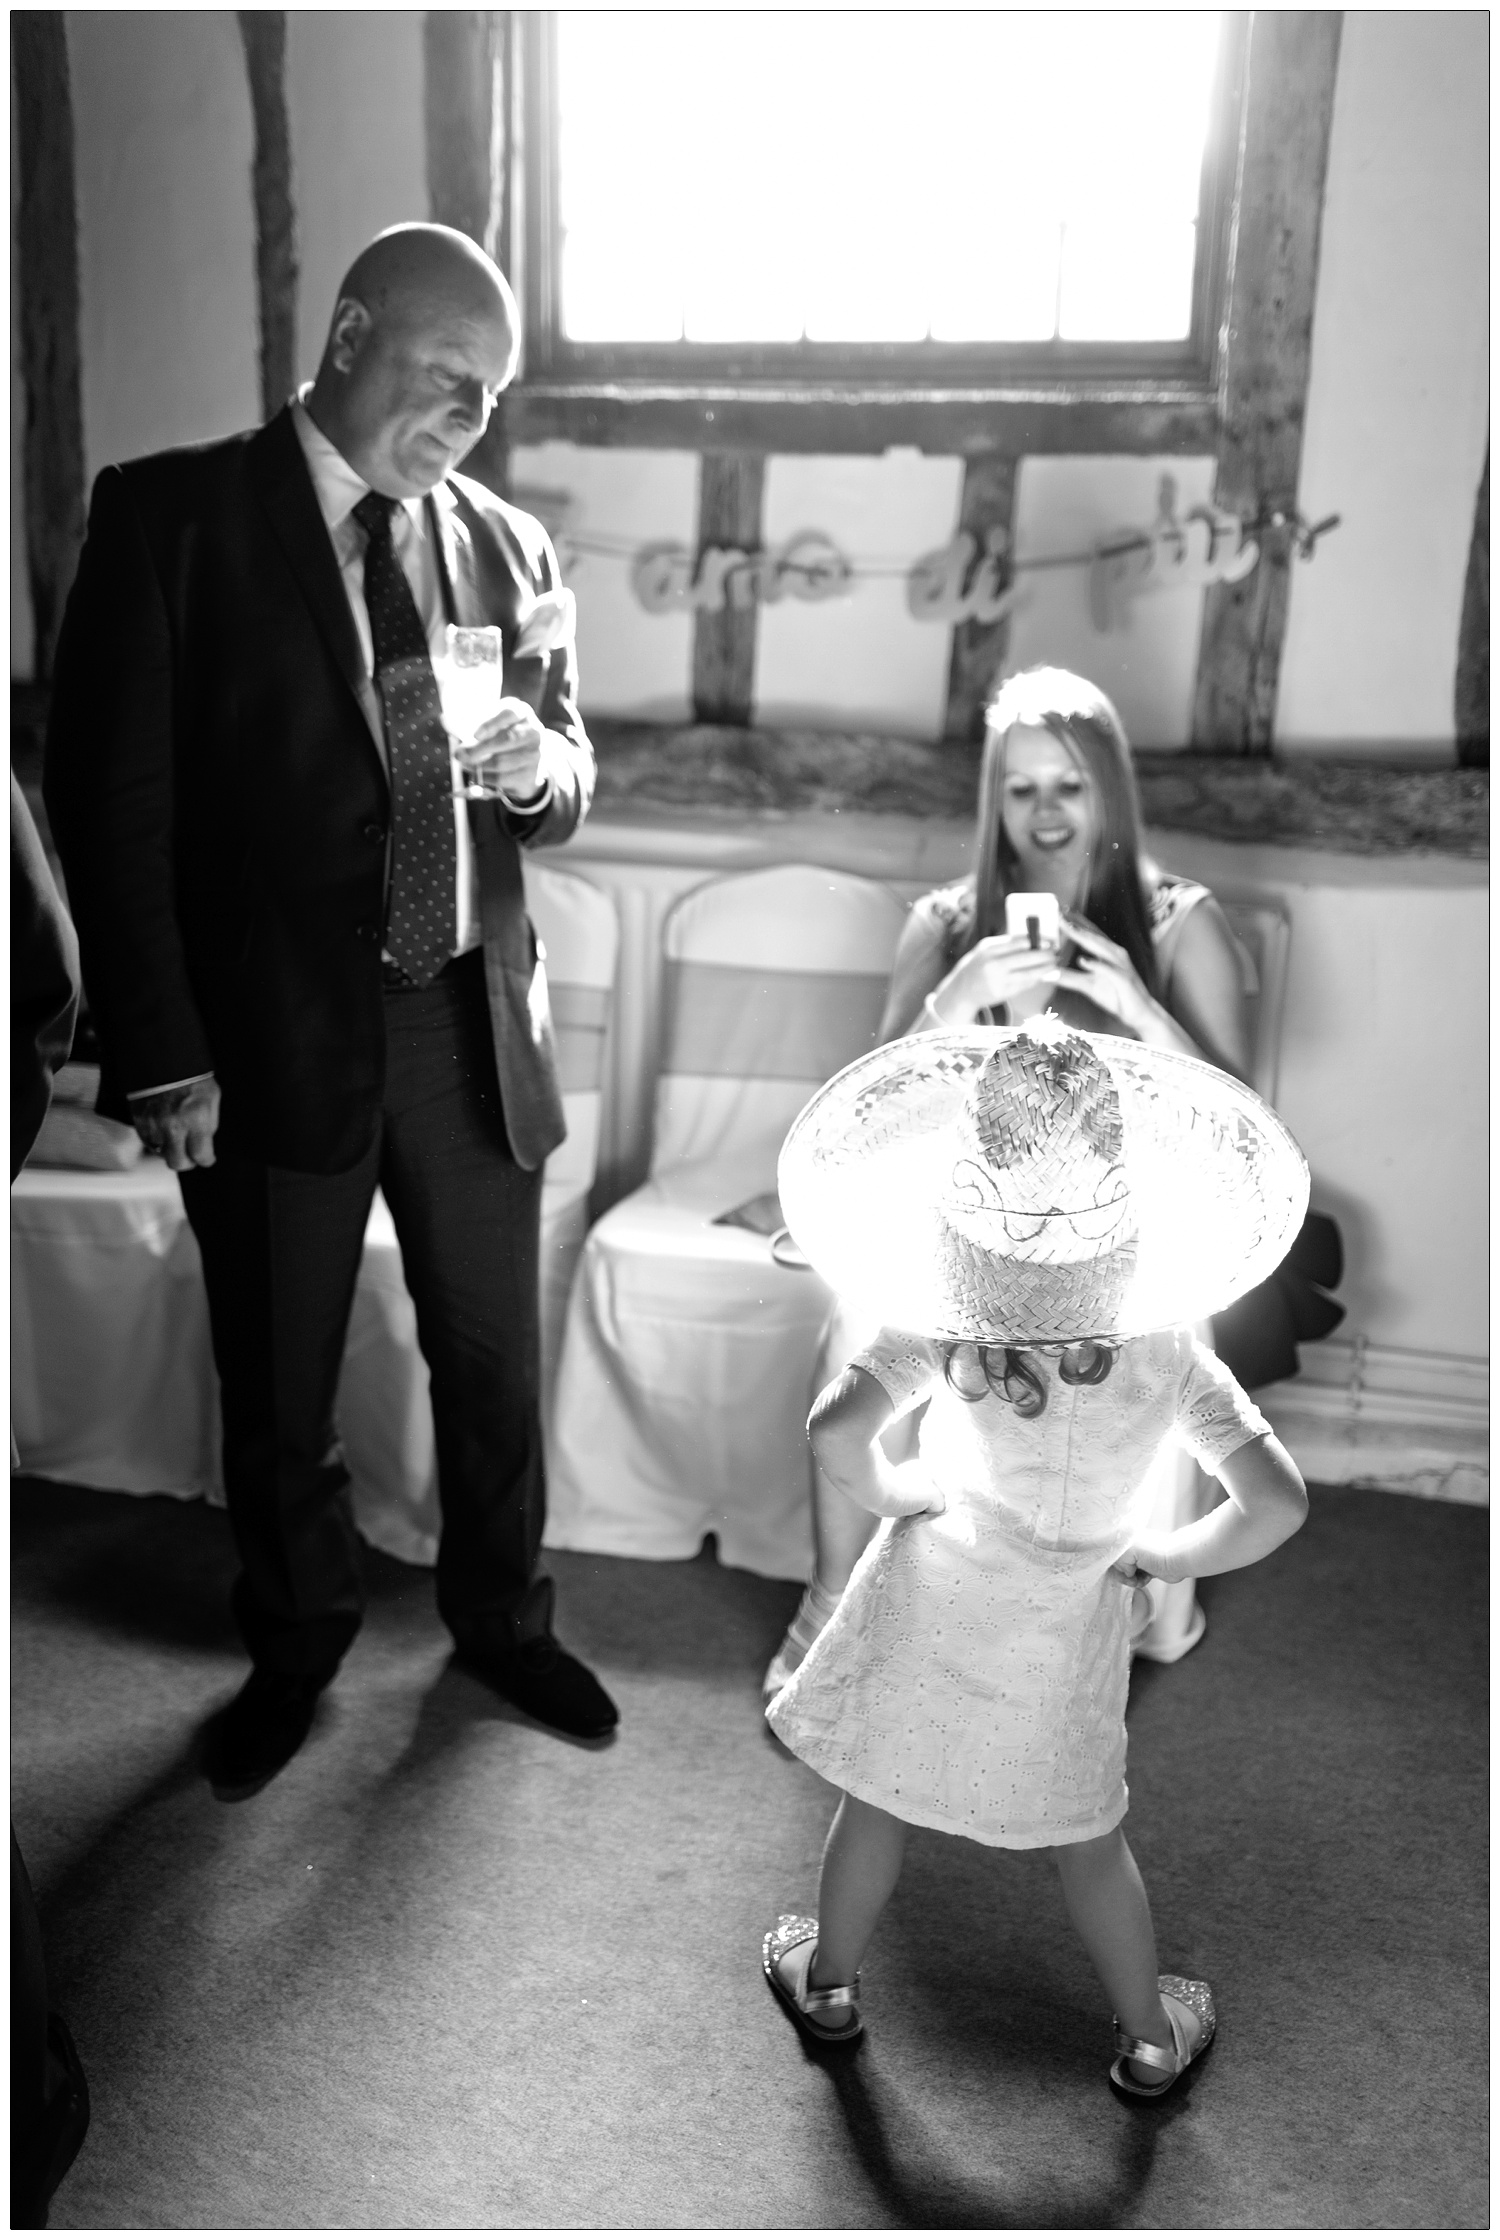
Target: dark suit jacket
{"type": "Point", "coordinates": [222, 813]}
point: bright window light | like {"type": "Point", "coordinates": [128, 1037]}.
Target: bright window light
{"type": "Point", "coordinates": [880, 175]}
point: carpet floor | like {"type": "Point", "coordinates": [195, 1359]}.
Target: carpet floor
{"type": "Point", "coordinates": [450, 1971]}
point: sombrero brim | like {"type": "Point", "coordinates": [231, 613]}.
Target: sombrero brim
{"type": "Point", "coordinates": [1217, 1192]}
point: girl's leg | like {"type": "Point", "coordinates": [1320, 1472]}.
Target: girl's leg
{"type": "Point", "coordinates": [1107, 1903]}
{"type": "Point", "coordinates": [861, 1865]}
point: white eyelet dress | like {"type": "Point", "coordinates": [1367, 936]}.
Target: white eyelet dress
{"type": "Point", "coordinates": [973, 1677]}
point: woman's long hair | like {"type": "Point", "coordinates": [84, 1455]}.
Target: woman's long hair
{"type": "Point", "coordinates": [1083, 719]}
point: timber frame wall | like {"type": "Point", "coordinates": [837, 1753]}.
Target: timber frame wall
{"type": "Point", "coordinates": [1247, 407]}
{"type": "Point", "coordinates": [1248, 413]}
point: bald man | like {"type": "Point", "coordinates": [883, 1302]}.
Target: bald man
{"type": "Point", "coordinates": [307, 953]}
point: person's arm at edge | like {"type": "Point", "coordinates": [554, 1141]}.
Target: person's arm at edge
{"type": "Point", "coordinates": [44, 980]}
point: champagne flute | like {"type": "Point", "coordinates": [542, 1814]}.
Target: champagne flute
{"type": "Point", "coordinates": [471, 685]}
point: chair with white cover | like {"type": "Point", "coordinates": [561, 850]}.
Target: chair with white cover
{"type": "Point", "coordinates": [384, 1407]}
{"type": "Point", "coordinates": [682, 1389]}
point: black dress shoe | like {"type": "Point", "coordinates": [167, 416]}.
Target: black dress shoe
{"type": "Point", "coordinates": [542, 1679]}
{"type": "Point", "coordinates": [254, 1737]}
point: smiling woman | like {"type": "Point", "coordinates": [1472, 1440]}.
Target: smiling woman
{"type": "Point", "coordinates": [1145, 954]}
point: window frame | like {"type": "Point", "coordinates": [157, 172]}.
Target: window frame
{"type": "Point", "coordinates": [1181, 372]}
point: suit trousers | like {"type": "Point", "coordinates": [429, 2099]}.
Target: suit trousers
{"type": "Point", "coordinates": [281, 1252]}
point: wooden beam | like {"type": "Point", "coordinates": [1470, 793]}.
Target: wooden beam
{"type": "Point", "coordinates": [979, 648]}
{"type": "Point", "coordinates": [47, 242]}
{"type": "Point", "coordinates": [263, 32]}
{"type": "Point", "coordinates": [1291, 71]}
{"type": "Point", "coordinates": [463, 96]}
{"type": "Point", "coordinates": [659, 417]}
{"type": "Point", "coordinates": [730, 489]}
{"type": "Point", "coordinates": [466, 78]}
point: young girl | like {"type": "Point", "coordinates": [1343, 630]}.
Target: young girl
{"type": "Point", "coordinates": [1153, 957]}
{"type": "Point", "coordinates": [1052, 1208]}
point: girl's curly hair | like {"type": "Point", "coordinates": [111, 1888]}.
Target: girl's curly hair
{"type": "Point", "coordinates": [1016, 1379]}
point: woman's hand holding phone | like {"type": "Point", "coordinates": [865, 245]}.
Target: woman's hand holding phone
{"type": "Point", "coordinates": [1101, 970]}
{"type": "Point", "coordinates": [1004, 966]}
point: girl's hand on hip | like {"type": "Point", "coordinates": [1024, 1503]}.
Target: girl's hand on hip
{"type": "Point", "coordinates": [1145, 1593]}
{"type": "Point", "coordinates": [996, 970]}
{"type": "Point", "coordinates": [912, 1484]}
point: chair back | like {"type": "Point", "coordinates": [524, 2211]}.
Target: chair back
{"type": "Point", "coordinates": [576, 924]}
{"type": "Point", "coordinates": [773, 981]}
{"type": "Point", "coordinates": [1263, 932]}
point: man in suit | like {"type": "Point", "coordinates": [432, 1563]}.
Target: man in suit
{"type": "Point", "coordinates": [308, 957]}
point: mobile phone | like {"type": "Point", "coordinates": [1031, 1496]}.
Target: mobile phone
{"type": "Point", "coordinates": [1035, 917]}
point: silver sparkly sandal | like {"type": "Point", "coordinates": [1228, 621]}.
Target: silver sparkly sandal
{"type": "Point", "coordinates": [805, 2006]}
{"type": "Point", "coordinates": [1187, 2002]}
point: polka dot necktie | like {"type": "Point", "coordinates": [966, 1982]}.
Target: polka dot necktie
{"type": "Point", "coordinates": [419, 920]}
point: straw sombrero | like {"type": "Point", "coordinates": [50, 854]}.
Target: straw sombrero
{"type": "Point", "coordinates": [1036, 1185]}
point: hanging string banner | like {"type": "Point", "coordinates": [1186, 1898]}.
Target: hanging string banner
{"type": "Point", "coordinates": [957, 585]}
{"type": "Point", "coordinates": [972, 578]}
{"type": "Point", "coordinates": [667, 580]}
{"type": "Point", "coordinates": [1206, 546]}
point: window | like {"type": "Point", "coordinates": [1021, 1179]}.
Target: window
{"type": "Point", "coordinates": [892, 196]}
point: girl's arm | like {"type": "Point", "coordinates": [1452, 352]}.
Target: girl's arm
{"type": "Point", "coordinates": [1267, 1503]}
{"type": "Point", "coordinates": [847, 1419]}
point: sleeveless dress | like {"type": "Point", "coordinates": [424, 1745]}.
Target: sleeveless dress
{"type": "Point", "coordinates": [938, 927]}
{"type": "Point", "coordinates": [973, 1676]}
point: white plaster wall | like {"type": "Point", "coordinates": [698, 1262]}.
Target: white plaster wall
{"type": "Point", "coordinates": [166, 238]}
{"type": "Point", "coordinates": [1147, 666]}
{"type": "Point", "coordinates": [859, 661]}
{"type": "Point", "coordinates": [1384, 1075]}
{"type": "Point", "coordinates": [22, 637]}
{"type": "Point", "coordinates": [359, 157]}
{"type": "Point", "coordinates": [1398, 400]}
{"type": "Point", "coordinates": [631, 664]}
